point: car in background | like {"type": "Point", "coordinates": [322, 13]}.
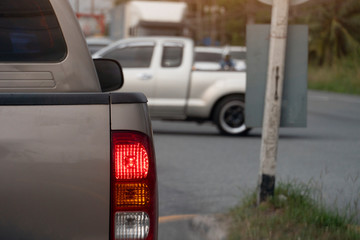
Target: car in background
{"type": "Point", "coordinates": [238, 55]}
{"type": "Point", "coordinates": [208, 58]}
{"type": "Point", "coordinates": [162, 68]}
{"type": "Point", "coordinates": [97, 43]}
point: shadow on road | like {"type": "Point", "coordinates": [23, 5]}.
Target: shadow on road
{"type": "Point", "coordinates": [208, 130]}
{"type": "Point", "coordinates": [185, 133]}
{"type": "Point", "coordinates": [251, 135]}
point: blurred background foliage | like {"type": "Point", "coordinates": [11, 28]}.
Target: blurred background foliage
{"type": "Point", "coordinates": [334, 25]}
{"type": "Point", "coordinates": [334, 34]}
{"type": "Point", "coordinates": [334, 37]}
{"type": "Point", "coordinates": [334, 44]}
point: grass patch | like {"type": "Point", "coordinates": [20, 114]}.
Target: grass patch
{"type": "Point", "coordinates": [290, 214]}
{"type": "Point", "coordinates": [342, 77]}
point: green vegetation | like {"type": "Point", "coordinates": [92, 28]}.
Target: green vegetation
{"type": "Point", "coordinates": [334, 46]}
{"type": "Point", "coordinates": [334, 36]}
{"type": "Point", "coordinates": [333, 28]}
{"type": "Point", "coordinates": [341, 77]}
{"type": "Point", "coordinates": [291, 214]}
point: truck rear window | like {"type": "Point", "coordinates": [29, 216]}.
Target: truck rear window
{"type": "Point", "coordinates": [30, 32]}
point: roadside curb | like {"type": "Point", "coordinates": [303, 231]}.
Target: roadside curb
{"type": "Point", "coordinates": [211, 227]}
{"type": "Point", "coordinates": [193, 227]}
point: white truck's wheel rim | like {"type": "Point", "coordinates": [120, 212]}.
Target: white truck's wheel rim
{"type": "Point", "coordinates": [232, 118]}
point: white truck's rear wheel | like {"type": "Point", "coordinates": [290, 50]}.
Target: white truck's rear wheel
{"type": "Point", "coordinates": [229, 116]}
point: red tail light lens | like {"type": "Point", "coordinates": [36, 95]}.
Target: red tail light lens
{"type": "Point", "coordinates": [133, 187]}
{"type": "Point", "coordinates": [131, 159]}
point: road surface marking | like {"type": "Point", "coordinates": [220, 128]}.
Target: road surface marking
{"type": "Point", "coordinates": [174, 218]}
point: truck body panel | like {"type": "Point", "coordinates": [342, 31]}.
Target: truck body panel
{"type": "Point", "coordinates": [207, 88]}
{"type": "Point", "coordinates": [57, 144]}
{"type": "Point", "coordinates": [172, 78]}
{"type": "Point", "coordinates": [55, 161]}
{"type": "Point", "coordinates": [127, 106]}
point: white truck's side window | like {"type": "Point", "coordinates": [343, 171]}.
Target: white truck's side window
{"type": "Point", "coordinates": [30, 32]}
{"type": "Point", "coordinates": [132, 56]}
{"type": "Point", "coordinates": [172, 56]}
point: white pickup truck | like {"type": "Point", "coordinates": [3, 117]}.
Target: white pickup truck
{"type": "Point", "coordinates": [162, 68]}
{"type": "Point", "coordinates": [76, 161]}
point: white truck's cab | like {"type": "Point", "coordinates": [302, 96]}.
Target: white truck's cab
{"type": "Point", "coordinates": [162, 68]}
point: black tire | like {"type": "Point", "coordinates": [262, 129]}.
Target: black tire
{"type": "Point", "coordinates": [229, 116]}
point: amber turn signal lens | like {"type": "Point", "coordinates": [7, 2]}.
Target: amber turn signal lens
{"type": "Point", "coordinates": [131, 195]}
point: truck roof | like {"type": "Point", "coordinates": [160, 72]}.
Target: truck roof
{"type": "Point", "coordinates": [142, 40]}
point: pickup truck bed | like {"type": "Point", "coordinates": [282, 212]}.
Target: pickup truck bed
{"type": "Point", "coordinates": [55, 151]}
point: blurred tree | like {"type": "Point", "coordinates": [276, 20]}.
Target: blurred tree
{"type": "Point", "coordinates": [334, 28]}
{"type": "Point", "coordinates": [118, 2]}
{"type": "Point", "coordinates": [239, 13]}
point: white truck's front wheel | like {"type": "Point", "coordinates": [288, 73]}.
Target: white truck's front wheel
{"type": "Point", "coordinates": [229, 116]}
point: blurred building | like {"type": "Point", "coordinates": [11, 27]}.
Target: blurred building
{"type": "Point", "coordinates": [93, 15]}
{"type": "Point", "coordinates": [148, 18]}
{"type": "Point", "coordinates": [201, 20]}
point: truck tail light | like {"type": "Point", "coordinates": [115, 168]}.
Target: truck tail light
{"type": "Point", "coordinates": [134, 204]}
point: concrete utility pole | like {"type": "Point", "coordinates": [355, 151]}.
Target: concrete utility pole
{"type": "Point", "coordinates": [273, 97]}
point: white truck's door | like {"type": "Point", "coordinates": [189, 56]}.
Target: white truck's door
{"type": "Point", "coordinates": [158, 67]}
{"type": "Point", "coordinates": [172, 78]}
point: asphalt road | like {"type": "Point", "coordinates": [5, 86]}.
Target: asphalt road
{"type": "Point", "coordinates": [201, 172]}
